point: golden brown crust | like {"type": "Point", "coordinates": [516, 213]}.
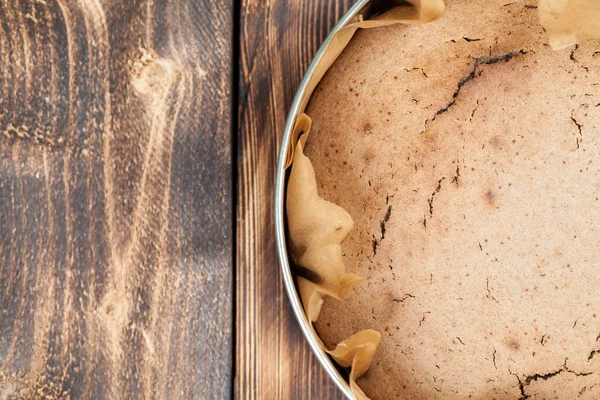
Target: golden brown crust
{"type": "Point", "coordinates": [466, 152]}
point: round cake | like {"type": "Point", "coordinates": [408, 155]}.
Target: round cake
{"type": "Point", "coordinates": [467, 153]}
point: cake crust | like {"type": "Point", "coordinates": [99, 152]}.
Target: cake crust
{"type": "Point", "coordinates": [467, 153]}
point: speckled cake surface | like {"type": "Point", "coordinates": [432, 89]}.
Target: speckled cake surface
{"type": "Point", "coordinates": [467, 153]}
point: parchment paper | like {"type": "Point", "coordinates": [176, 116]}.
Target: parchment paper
{"type": "Point", "coordinates": [570, 22]}
{"type": "Point", "coordinates": [317, 228]}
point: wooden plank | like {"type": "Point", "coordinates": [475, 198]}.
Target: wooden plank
{"type": "Point", "coordinates": [115, 199]}
{"type": "Point", "coordinates": [278, 41]}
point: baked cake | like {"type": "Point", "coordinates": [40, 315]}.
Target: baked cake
{"type": "Point", "coordinates": [467, 152]}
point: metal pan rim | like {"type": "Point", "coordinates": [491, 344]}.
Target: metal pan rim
{"type": "Point", "coordinates": [288, 279]}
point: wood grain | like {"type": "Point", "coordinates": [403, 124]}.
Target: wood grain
{"type": "Point", "coordinates": [278, 41]}
{"type": "Point", "coordinates": [115, 199]}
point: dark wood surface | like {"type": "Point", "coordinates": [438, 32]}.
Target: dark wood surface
{"type": "Point", "coordinates": [138, 142]}
{"type": "Point", "coordinates": [115, 199]}
{"type": "Point", "coordinates": [278, 40]}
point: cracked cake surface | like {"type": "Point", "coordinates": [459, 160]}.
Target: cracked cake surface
{"type": "Point", "coordinates": [467, 153]}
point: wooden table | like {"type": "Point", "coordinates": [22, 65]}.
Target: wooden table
{"type": "Point", "coordinates": [138, 142]}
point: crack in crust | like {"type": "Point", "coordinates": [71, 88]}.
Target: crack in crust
{"type": "Point", "coordinates": [544, 377]}
{"type": "Point", "coordinates": [436, 191]}
{"type": "Point", "coordinates": [475, 72]}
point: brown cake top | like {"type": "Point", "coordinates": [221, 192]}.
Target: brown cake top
{"type": "Point", "coordinates": [466, 152]}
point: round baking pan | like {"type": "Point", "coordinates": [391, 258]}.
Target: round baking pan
{"type": "Point", "coordinates": [280, 185]}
